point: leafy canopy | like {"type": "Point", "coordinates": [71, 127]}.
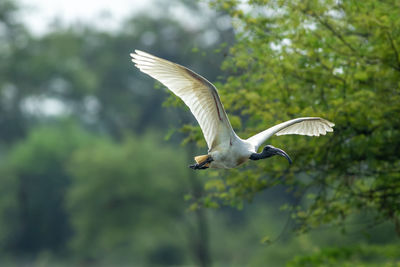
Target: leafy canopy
{"type": "Point", "coordinates": [334, 59]}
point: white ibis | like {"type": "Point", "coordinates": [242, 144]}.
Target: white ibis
{"type": "Point", "coordinates": [225, 148]}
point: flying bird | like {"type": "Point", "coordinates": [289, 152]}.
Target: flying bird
{"type": "Point", "coordinates": [225, 149]}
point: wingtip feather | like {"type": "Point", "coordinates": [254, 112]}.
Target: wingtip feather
{"type": "Point", "coordinates": [330, 124]}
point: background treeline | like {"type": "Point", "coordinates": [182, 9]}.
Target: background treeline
{"type": "Point", "coordinates": [92, 168]}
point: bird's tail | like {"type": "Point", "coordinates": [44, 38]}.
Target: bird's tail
{"type": "Point", "coordinates": [200, 159]}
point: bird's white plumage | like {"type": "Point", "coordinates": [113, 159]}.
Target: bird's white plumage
{"type": "Point", "coordinates": [311, 126]}
{"type": "Point", "coordinates": [225, 147]}
{"type": "Point", "coordinates": [198, 94]}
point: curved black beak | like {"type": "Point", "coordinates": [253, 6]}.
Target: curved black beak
{"type": "Point", "coordinates": [280, 152]}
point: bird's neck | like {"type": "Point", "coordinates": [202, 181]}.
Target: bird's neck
{"type": "Point", "coordinates": [257, 156]}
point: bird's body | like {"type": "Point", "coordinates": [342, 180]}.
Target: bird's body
{"type": "Point", "coordinates": [231, 154]}
{"type": "Point", "coordinates": [226, 149]}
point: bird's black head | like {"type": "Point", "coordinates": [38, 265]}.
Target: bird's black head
{"type": "Point", "coordinates": [270, 151]}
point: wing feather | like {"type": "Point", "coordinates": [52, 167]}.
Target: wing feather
{"type": "Point", "coordinates": [311, 126]}
{"type": "Point", "coordinates": [196, 92]}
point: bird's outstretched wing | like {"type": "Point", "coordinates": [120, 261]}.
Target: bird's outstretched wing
{"type": "Point", "coordinates": [311, 126]}
{"type": "Point", "coordinates": [199, 95]}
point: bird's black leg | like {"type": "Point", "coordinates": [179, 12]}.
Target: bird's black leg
{"type": "Point", "coordinates": [201, 166]}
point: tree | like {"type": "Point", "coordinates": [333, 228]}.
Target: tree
{"type": "Point", "coordinates": [123, 198]}
{"type": "Point", "coordinates": [13, 36]}
{"type": "Point", "coordinates": [334, 59]}
{"type": "Point", "coordinates": [33, 181]}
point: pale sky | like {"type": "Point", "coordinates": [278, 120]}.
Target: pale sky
{"type": "Point", "coordinates": [38, 14]}
{"type": "Point", "coordinates": [105, 14]}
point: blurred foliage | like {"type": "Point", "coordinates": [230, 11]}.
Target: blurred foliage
{"type": "Point", "coordinates": [351, 256]}
{"type": "Point", "coordinates": [61, 174]}
{"type": "Point", "coordinates": [89, 75]}
{"type": "Point", "coordinates": [33, 183]}
{"type": "Point", "coordinates": [74, 91]}
{"type": "Point", "coordinates": [12, 36]}
{"type": "Point", "coordinates": [333, 59]}
{"type": "Point", "coordinates": [112, 199]}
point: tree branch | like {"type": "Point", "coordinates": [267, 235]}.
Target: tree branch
{"type": "Point", "coordinates": [394, 49]}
